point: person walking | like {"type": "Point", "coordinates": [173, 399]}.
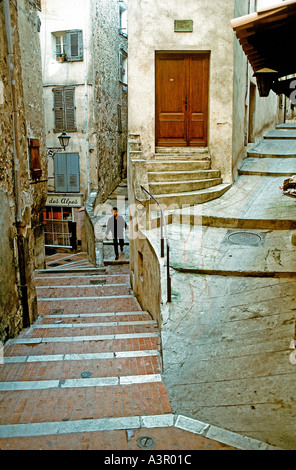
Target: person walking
{"type": "Point", "coordinates": [116, 225]}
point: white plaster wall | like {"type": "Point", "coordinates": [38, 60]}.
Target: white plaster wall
{"type": "Point", "coordinates": [62, 16]}
{"type": "Point", "coordinates": [151, 28]}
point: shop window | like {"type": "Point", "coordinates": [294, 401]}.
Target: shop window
{"type": "Point", "coordinates": [59, 227]}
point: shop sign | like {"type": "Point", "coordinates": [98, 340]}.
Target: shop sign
{"type": "Point", "coordinates": [64, 201]}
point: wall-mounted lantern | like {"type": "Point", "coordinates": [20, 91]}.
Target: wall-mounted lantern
{"type": "Point", "coordinates": [64, 139]}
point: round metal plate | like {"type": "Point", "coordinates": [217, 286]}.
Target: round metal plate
{"type": "Point", "coordinates": [244, 238]}
{"type": "Point", "coordinates": [146, 442]}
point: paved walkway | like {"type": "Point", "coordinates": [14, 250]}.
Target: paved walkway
{"type": "Point", "coordinates": [87, 374]}
{"type": "Point", "coordinates": [228, 336]}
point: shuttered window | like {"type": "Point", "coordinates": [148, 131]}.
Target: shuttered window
{"type": "Point", "coordinates": [74, 45]}
{"type": "Point", "coordinates": [66, 172]}
{"type": "Point", "coordinates": [64, 109]}
{"type": "Point", "coordinates": [68, 45]}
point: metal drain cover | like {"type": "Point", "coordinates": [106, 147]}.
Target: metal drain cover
{"type": "Point", "coordinates": [86, 374]}
{"type": "Point", "coordinates": [244, 238]}
{"type": "Point", "coordinates": [146, 442]}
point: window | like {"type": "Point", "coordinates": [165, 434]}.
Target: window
{"type": "Point", "coordinates": [68, 45]}
{"type": "Point", "coordinates": [123, 66]}
{"type": "Point", "coordinates": [66, 172]}
{"type": "Point", "coordinates": [123, 21]}
{"type": "Point", "coordinates": [64, 109]}
{"type": "Point", "coordinates": [58, 226]}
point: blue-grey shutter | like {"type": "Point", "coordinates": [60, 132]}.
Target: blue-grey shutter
{"type": "Point", "coordinates": [73, 172]}
{"type": "Point", "coordinates": [69, 109]}
{"type": "Point", "coordinates": [58, 108]}
{"type": "Point", "coordinates": [60, 173]}
{"type": "Point", "coordinates": [74, 45]}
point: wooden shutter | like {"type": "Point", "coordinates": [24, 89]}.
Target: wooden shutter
{"type": "Point", "coordinates": [60, 173]}
{"type": "Point", "coordinates": [58, 107]}
{"type": "Point", "coordinates": [73, 172]}
{"type": "Point", "coordinates": [69, 105]}
{"type": "Point", "coordinates": [74, 45]}
{"type": "Point", "coordinates": [34, 147]}
{"type": "Point", "coordinates": [66, 172]}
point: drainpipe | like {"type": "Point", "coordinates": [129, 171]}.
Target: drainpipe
{"type": "Point", "coordinates": [16, 176]}
{"type": "Point", "coordinates": [86, 103]}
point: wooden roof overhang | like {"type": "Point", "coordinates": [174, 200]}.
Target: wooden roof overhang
{"type": "Point", "coordinates": [268, 38]}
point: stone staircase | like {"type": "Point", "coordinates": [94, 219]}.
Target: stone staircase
{"type": "Point", "coordinates": [183, 176]}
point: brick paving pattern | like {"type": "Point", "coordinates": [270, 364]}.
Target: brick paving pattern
{"type": "Point", "coordinates": [93, 354]}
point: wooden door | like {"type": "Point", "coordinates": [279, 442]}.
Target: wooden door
{"type": "Point", "coordinates": [182, 83]}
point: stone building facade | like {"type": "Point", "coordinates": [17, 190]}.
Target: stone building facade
{"type": "Point", "coordinates": [23, 177]}
{"type": "Point", "coordinates": [84, 95]}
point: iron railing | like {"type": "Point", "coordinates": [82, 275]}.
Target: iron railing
{"type": "Point", "coordinates": [163, 237]}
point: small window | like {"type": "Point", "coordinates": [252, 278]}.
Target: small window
{"type": "Point", "coordinates": [68, 45]}
{"type": "Point", "coordinates": [66, 172]}
{"type": "Point", "coordinates": [123, 21]}
{"type": "Point", "coordinates": [64, 109]}
{"type": "Point", "coordinates": [123, 67]}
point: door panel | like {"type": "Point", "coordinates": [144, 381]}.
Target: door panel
{"type": "Point", "coordinates": [198, 100]}
{"type": "Point", "coordinates": [181, 99]}
{"type": "Point", "coordinates": [170, 92]}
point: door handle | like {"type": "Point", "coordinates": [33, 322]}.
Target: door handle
{"type": "Point", "coordinates": [185, 102]}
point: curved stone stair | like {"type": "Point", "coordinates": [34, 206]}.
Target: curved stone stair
{"type": "Point", "coordinates": [184, 176]}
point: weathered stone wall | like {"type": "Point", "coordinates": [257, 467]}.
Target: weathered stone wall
{"type": "Point", "coordinates": [109, 94]}
{"type": "Point", "coordinates": [22, 198]}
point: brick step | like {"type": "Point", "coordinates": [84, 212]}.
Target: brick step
{"type": "Point", "coordinates": [84, 280]}
{"type": "Point", "coordinates": [73, 369]}
{"type": "Point", "coordinates": [99, 317]}
{"type": "Point", "coordinates": [73, 270]}
{"type": "Point", "coordinates": [90, 305]}
{"type": "Point", "coordinates": [144, 343]}
{"type": "Point", "coordinates": [44, 292]}
{"type": "Point", "coordinates": [62, 404]}
{"type": "Point", "coordinates": [89, 329]}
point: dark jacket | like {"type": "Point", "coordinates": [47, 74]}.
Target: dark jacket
{"type": "Point", "coordinates": [116, 226]}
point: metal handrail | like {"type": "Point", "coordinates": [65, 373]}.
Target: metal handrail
{"type": "Point", "coordinates": [163, 228]}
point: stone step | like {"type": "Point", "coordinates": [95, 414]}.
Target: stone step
{"type": "Point", "coordinates": [268, 167]}
{"type": "Point", "coordinates": [183, 175]}
{"type": "Point", "coordinates": [182, 150]}
{"type": "Point", "coordinates": [169, 187]}
{"type": "Point", "coordinates": [282, 133]}
{"type": "Point", "coordinates": [177, 165]}
{"type": "Point", "coordinates": [287, 125]}
{"type": "Point", "coordinates": [192, 197]}
{"type": "Point", "coordinates": [274, 148]}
